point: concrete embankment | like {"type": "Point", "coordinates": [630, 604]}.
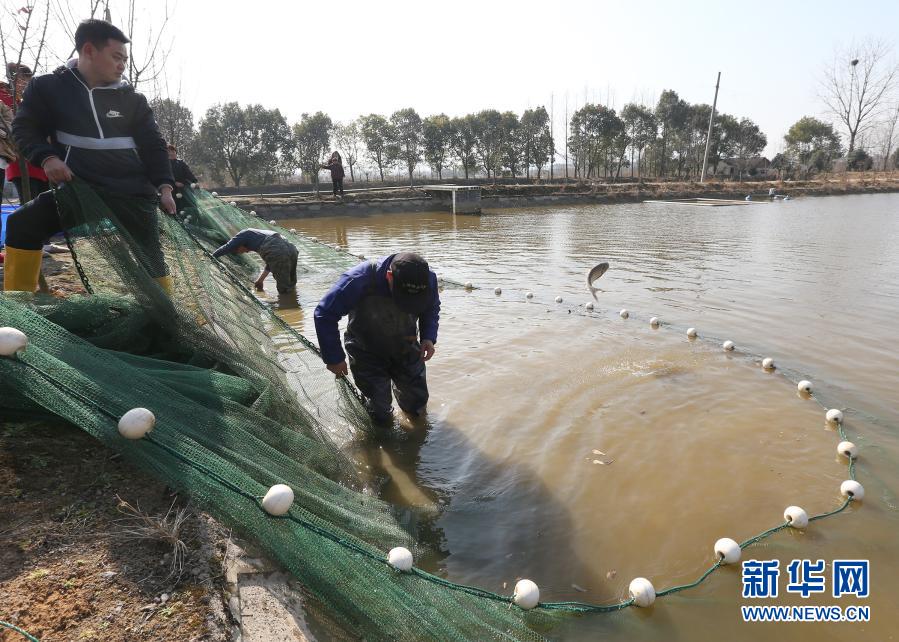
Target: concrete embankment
{"type": "Point", "coordinates": [411, 200]}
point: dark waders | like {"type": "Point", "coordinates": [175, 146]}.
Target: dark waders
{"type": "Point", "coordinates": [382, 343]}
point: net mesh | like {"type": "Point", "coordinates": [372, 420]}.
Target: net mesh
{"type": "Point", "coordinates": [242, 402]}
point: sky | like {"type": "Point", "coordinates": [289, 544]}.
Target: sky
{"type": "Point", "coordinates": [348, 58]}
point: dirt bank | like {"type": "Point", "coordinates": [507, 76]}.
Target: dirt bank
{"type": "Point", "coordinates": [410, 199]}
{"type": "Point", "coordinates": [76, 563]}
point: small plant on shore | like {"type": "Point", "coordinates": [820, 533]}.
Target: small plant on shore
{"type": "Point", "coordinates": [167, 529]}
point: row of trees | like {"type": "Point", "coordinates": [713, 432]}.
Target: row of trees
{"type": "Point", "coordinates": [668, 140]}
{"type": "Point", "coordinates": [252, 144]}
{"type": "Point", "coordinates": [256, 145]}
{"type": "Point", "coordinates": [813, 145]}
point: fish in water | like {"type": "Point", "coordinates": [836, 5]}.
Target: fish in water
{"type": "Point", "coordinates": [596, 272]}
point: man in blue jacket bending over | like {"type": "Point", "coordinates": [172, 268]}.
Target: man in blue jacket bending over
{"type": "Point", "coordinates": [385, 300]}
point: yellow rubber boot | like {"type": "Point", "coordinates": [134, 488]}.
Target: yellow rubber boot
{"type": "Point", "coordinates": [21, 269]}
{"type": "Point", "coordinates": [166, 283]}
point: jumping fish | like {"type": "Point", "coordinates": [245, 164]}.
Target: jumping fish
{"type": "Point", "coordinates": [596, 272]}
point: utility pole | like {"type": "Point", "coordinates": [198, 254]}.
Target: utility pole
{"type": "Point", "coordinates": [552, 145]}
{"type": "Point", "coordinates": [566, 136]}
{"type": "Point", "coordinates": [708, 138]}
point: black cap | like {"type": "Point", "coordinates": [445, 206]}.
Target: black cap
{"type": "Point", "coordinates": [411, 282]}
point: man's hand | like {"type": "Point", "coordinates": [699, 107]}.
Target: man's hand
{"type": "Point", "coordinates": [166, 201]}
{"type": "Point", "coordinates": [339, 369]}
{"type": "Point", "coordinates": [260, 280]}
{"type": "Point", "coordinates": [57, 171]}
{"type": "Point", "coordinates": [427, 349]}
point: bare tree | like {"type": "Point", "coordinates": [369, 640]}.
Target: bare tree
{"type": "Point", "coordinates": [68, 20]}
{"type": "Point", "coordinates": [150, 44]}
{"type": "Point", "coordinates": [888, 135]}
{"type": "Point", "coordinates": [856, 85]}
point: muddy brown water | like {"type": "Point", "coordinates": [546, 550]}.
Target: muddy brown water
{"type": "Point", "coordinates": [581, 450]}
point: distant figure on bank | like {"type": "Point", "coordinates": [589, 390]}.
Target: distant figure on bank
{"type": "Point", "coordinates": [391, 302]}
{"type": "Point", "coordinates": [7, 148]}
{"type": "Point", "coordinates": [180, 170]}
{"type": "Point", "coordinates": [279, 254]}
{"type": "Point", "coordinates": [19, 76]}
{"type": "Point", "coordinates": [335, 165]}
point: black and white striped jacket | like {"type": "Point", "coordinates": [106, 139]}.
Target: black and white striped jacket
{"type": "Point", "coordinates": [106, 135]}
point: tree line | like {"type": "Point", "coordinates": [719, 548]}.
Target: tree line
{"type": "Point", "coordinates": [255, 145]}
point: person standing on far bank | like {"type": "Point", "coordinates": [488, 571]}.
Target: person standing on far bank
{"type": "Point", "coordinates": [335, 165]}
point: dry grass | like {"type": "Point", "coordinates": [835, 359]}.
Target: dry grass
{"type": "Point", "coordinates": [166, 529]}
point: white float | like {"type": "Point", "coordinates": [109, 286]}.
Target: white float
{"type": "Point", "coordinates": [654, 322]}
{"type": "Point", "coordinates": [469, 286]}
{"type": "Point", "coordinates": [12, 342]}
{"type": "Point", "coordinates": [400, 558]}
{"type": "Point", "coordinates": [136, 423]}
{"type": "Point", "coordinates": [233, 203]}
{"type": "Point", "coordinates": [529, 295]}
{"type": "Point", "coordinates": [278, 499]}
{"type": "Point", "coordinates": [851, 488]}
{"type": "Point", "coordinates": [194, 185]}
{"type": "Point", "coordinates": [497, 291]}
{"type": "Point", "coordinates": [272, 222]}
{"type": "Point", "coordinates": [768, 363]}
{"type": "Point", "coordinates": [624, 313]}
{"type": "Point", "coordinates": [178, 195]}
{"type": "Point", "coordinates": [805, 387]}
{"type": "Point", "coordinates": [293, 230]}
{"type": "Point", "coordinates": [797, 517]}
{"type": "Point", "coordinates": [847, 449]}
{"type": "Point", "coordinates": [589, 306]}
{"type": "Point", "coordinates": [691, 333]}
{"type": "Point", "coordinates": [834, 416]}
{"type": "Point", "coordinates": [215, 193]}
{"type": "Point", "coordinates": [558, 299]}
{"type": "Point", "coordinates": [728, 346]}
{"type": "Point", "coordinates": [253, 213]}
{"type": "Point", "coordinates": [642, 591]}
{"type": "Point", "coordinates": [526, 595]}
{"type": "Point", "coordinates": [727, 550]}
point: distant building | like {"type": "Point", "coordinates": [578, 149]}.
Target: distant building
{"type": "Point", "coordinates": [756, 167]}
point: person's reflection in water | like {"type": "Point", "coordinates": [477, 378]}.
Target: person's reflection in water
{"type": "Point", "coordinates": [478, 521]}
{"type": "Point", "coordinates": [289, 301]}
{"type": "Point", "coordinates": [341, 235]}
{"type": "Point", "coordinates": [392, 455]}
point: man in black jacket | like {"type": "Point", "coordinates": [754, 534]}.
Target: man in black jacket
{"type": "Point", "coordinates": [101, 130]}
{"type": "Point", "coordinates": [180, 169]}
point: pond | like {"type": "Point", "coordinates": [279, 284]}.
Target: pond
{"type": "Point", "coordinates": [582, 450]}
